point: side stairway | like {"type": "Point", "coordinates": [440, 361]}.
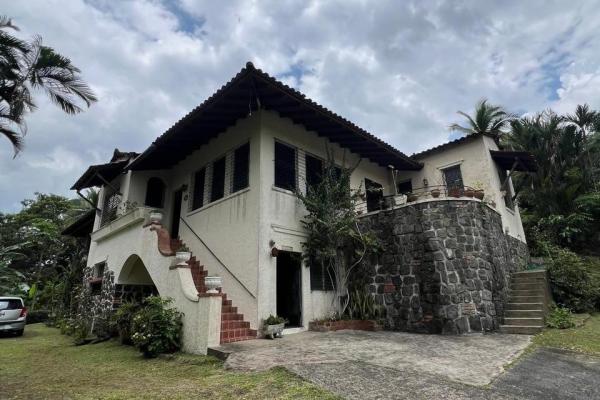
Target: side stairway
{"type": "Point", "coordinates": [528, 303]}
{"type": "Point", "coordinates": [233, 326]}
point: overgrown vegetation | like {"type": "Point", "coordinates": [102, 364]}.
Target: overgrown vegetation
{"type": "Point", "coordinates": [335, 240]}
{"type": "Point", "coordinates": [156, 327]}
{"type": "Point", "coordinates": [560, 318]}
{"type": "Point", "coordinates": [123, 321]}
{"type": "Point", "coordinates": [45, 365]}
{"type": "Point", "coordinates": [584, 338]}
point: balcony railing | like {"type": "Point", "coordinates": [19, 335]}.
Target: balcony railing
{"type": "Point", "coordinates": [424, 193]}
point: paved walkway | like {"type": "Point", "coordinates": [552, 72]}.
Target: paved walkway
{"type": "Point", "coordinates": [468, 359]}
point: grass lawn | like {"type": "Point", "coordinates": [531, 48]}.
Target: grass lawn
{"type": "Point", "coordinates": [44, 364]}
{"type": "Point", "coordinates": [584, 339]}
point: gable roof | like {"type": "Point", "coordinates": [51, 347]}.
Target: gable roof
{"type": "Point", "coordinates": [248, 91]}
{"type": "Point", "coordinates": [95, 174]}
{"type": "Point", "coordinates": [452, 143]}
{"type": "Point", "coordinates": [82, 226]}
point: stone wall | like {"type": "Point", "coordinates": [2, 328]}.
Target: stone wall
{"type": "Point", "coordinates": [445, 266]}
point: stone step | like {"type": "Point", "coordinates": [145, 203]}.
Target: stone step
{"type": "Point", "coordinates": [524, 321]}
{"type": "Point", "coordinates": [530, 274]}
{"type": "Point", "coordinates": [231, 325]}
{"type": "Point", "coordinates": [527, 285]}
{"type": "Point", "coordinates": [524, 313]}
{"type": "Point", "coordinates": [526, 292]}
{"type": "Point", "coordinates": [232, 317]}
{"type": "Point", "coordinates": [229, 309]}
{"type": "Point", "coordinates": [537, 306]}
{"type": "Point", "coordinates": [520, 330]}
{"type": "Point", "coordinates": [526, 299]}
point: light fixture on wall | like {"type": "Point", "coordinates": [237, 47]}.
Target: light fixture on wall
{"type": "Point", "coordinates": [425, 182]}
{"type": "Point", "coordinates": [274, 250]}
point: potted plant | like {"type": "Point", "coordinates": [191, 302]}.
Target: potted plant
{"type": "Point", "coordinates": [410, 197]}
{"type": "Point", "coordinates": [156, 217]}
{"type": "Point", "coordinates": [183, 255]}
{"type": "Point", "coordinates": [478, 190]}
{"type": "Point", "coordinates": [273, 326]}
{"type": "Point", "coordinates": [454, 192]}
{"type": "Point", "coordinates": [212, 283]}
{"type": "Point", "coordinates": [469, 192]}
{"type": "Point", "coordinates": [435, 193]}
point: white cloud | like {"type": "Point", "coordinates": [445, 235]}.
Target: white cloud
{"type": "Point", "coordinates": [399, 69]}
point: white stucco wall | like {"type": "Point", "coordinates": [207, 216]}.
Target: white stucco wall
{"type": "Point", "coordinates": [477, 167]}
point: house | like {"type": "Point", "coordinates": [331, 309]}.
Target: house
{"type": "Point", "coordinates": [224, 178]}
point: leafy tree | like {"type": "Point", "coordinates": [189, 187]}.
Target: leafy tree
{"type": "Point", "coordinates": [488, 118]}
{"type": "Point", "coordinates": [28, 66]}
{"type": "Point", "coordinates": [335, 240]}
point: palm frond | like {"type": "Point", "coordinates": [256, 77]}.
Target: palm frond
{"type": "Point", "coordinates": [14, 138]}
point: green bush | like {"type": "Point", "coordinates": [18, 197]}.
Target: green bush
{"type": "Point", "coordinates": [560, 318]}
{"type": "Point", "coordinates": [574, 282]}
{"type": "Point", "coordinates": [362, 306]}
{"type": "Point", "coordinates": [157, 327]}
{"type": "Point", "coordinates": [123, 321]}
{"type": "Point", "coordinates": [34, 317]}
{"type": "Point", "coordinates": [274, 320]}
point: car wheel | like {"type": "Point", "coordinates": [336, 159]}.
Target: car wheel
{"type": "Point", "coordinates": [20, 333]}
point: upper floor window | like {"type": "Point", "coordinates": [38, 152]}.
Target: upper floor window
{"type": "Point", "coordinates": [241, 161]}
{"type": "Point", "coordinates": [198, 196]}
{"type": "Point", "coordinates": [285, 166]}
{"type": "Point", "coordinates": [405, 187]}
{"type": "Point", "coordinates": [217, 187]}
{"type": "Point", "coordinates": [314, 171]}
{"type": "Point", "coordinates": [155, 193]}
{"type": "Point", "coordinates": [453, 177]}
{"type": "Point", "coordinates": [374, 195]}
{"type": "Point", "coordinates": [506, 189]}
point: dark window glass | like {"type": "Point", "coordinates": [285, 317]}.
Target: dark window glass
{"type": "Point", "coordinates": [11, 304]}
{"type": "Point", "coordinates": [314, 171]}
{"type": "Point", "coordinates": [217, 188]}
{"type": "Point", "coordinates": [374, 195]}
{"type": "Point", "coordinates": [405, 187]}
{"type": "Point", "coordinates": [199, 180]}
{"type": "Point", "coordinates": [241, 159]}
{"type": "Point", "coordinates": [155, 193]}
{"type": "Point", "coordinates": [320, 279]}
{"type": "Point", "coordinates": [508, 195]}
{"type": "Point", "coordinates": [285, 166]}
{"type": "Point", "coordinates": [453, 178]}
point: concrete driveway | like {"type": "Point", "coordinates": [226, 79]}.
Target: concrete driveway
{"type": "Point", "coordinates": [395, 365]}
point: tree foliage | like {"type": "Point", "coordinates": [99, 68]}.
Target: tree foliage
{"type": "Point", "coordinates": [28, 66]}
{"type": "Point", "coordinates": [488, 118]}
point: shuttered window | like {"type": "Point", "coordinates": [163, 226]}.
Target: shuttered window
{"type": "Point", "coordinates": [314, 171]}
{"type": "Point", "coordinates": [319, 278]}
{"type": "Point", "coordinates": [199, 181]}
{"type": "Point", "coordinates": [241, 160]}
{"type": "Point", "coordinates": [285, 166]}
{"type": "Point", "coordinates": [217, 188]}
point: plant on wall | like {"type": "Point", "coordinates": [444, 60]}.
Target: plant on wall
{"type": "Point", "coordinates": [335, 240]}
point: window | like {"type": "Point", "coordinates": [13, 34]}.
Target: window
{"type": "Point", "coordinates": [285, 166]}
{"type": "Point", "coordinates": [374, 195]}
{"type": "Point", "coordinates": [155, 193]}
{"type": "Point", "coordinates": [320, 279]}
{"type": "Point", "coordinates": [405, 187]}
{"type": "Point", "coordinates": [11, 304]}
{"type": "Point", "coordinates": [241, 159]}
{"type": "Point", "coordinates": [110, 206]}
{"type": "Point", "coordinates": [217, 188]}
{"type": "Point", "coordinates": [453, 177]}
{"type": "Point", "coordinates": [314, 171]}
{"type": "Point", "coordinates": [508, 195]}
{"type": "Point", "coordinates": [199, 180]}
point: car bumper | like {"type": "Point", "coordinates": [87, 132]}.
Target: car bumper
{"type": "Point", "coordinates": [12, 326]}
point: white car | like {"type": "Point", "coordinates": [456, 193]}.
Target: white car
{"type": "Point", "coordinates": [13, 315]}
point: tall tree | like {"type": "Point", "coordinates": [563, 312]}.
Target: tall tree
{"type": "Point", "coordinates": [29, 66]}
{"type": "Point", "coordinates": [488, 118]}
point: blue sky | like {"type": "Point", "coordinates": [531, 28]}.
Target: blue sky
{"type": "Point", "coordinates": [398, 69]}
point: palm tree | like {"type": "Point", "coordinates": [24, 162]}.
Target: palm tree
{"type": "Point", "coordinates": [488, 118]}
{"type": "Point", "coordinates": [28, 66]}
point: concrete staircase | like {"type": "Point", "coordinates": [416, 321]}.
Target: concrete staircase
{"type": "Point", "coordinates": [233, 326]}
{"type": "Point", "coordinates": [528, 303]}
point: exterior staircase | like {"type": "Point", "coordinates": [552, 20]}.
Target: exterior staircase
{"type": "Point", "coordinates": [528, 303]}
{"type": "Point", "coordinates": [233, 326]}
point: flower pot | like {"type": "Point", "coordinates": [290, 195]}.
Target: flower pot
{"type": "Point", "coordinates": [273, 331]}
{"type": "Point", "coordinates": [479, 194]}
{"type": "Point", "coordinates": [411, 197]}
{"type": "Point", "coordinates": [435, 193]}
{"type": "Point", "coordinates": [156, 217]}
{"type": "Point", "coordinates": [454, 192]}
{"type": "Point", "coordinates": [182, 257]}
{"type": "Point", "coordinates": [469, 192]}
{"type": "Point", "coordinates": [212, 283]}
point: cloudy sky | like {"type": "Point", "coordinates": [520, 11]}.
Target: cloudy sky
{"type": "Point", "coordinates": [401, 70]}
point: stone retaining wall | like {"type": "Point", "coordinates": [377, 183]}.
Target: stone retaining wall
{"type": "Point", "coordinates": [445, 267]}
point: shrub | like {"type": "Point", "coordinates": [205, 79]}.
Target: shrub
{"type": "Point", "coordinates": [572, 279]}
{"type": "Point", "coordinates": [362, 306]}
{"type": "Point", "coordinates": [560, 318]}
{"type": "Point", "coordinates": [123, 320]}
{"type": "Point", "coordinates": [37, 316]}
{"type": "Point", "coordinates": [274, 320]}
{"type": "Point", "coordinates": [157, 327]}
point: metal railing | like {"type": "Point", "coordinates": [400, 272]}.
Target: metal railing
{"type": "Point", "coordinates": [424, 193]}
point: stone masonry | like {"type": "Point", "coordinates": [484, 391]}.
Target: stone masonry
{"type": "Point", "coordinates": [445, 266]}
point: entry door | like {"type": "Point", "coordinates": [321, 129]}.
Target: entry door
{"type": "Point", "coordinates": [177, 197]}
{"type": "Point", "coordinates": [289, 287]}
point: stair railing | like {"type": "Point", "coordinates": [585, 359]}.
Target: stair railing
{"type": "Point", "coordinates": [216, 257]}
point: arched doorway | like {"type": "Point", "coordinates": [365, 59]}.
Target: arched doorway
{"type": "Point", "coordinates": [134, 282]}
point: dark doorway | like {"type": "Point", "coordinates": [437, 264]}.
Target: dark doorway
{"type": "Point", "coordinates": [289, 287]}
{"type": "Point", "coordinates": [177, 197]}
